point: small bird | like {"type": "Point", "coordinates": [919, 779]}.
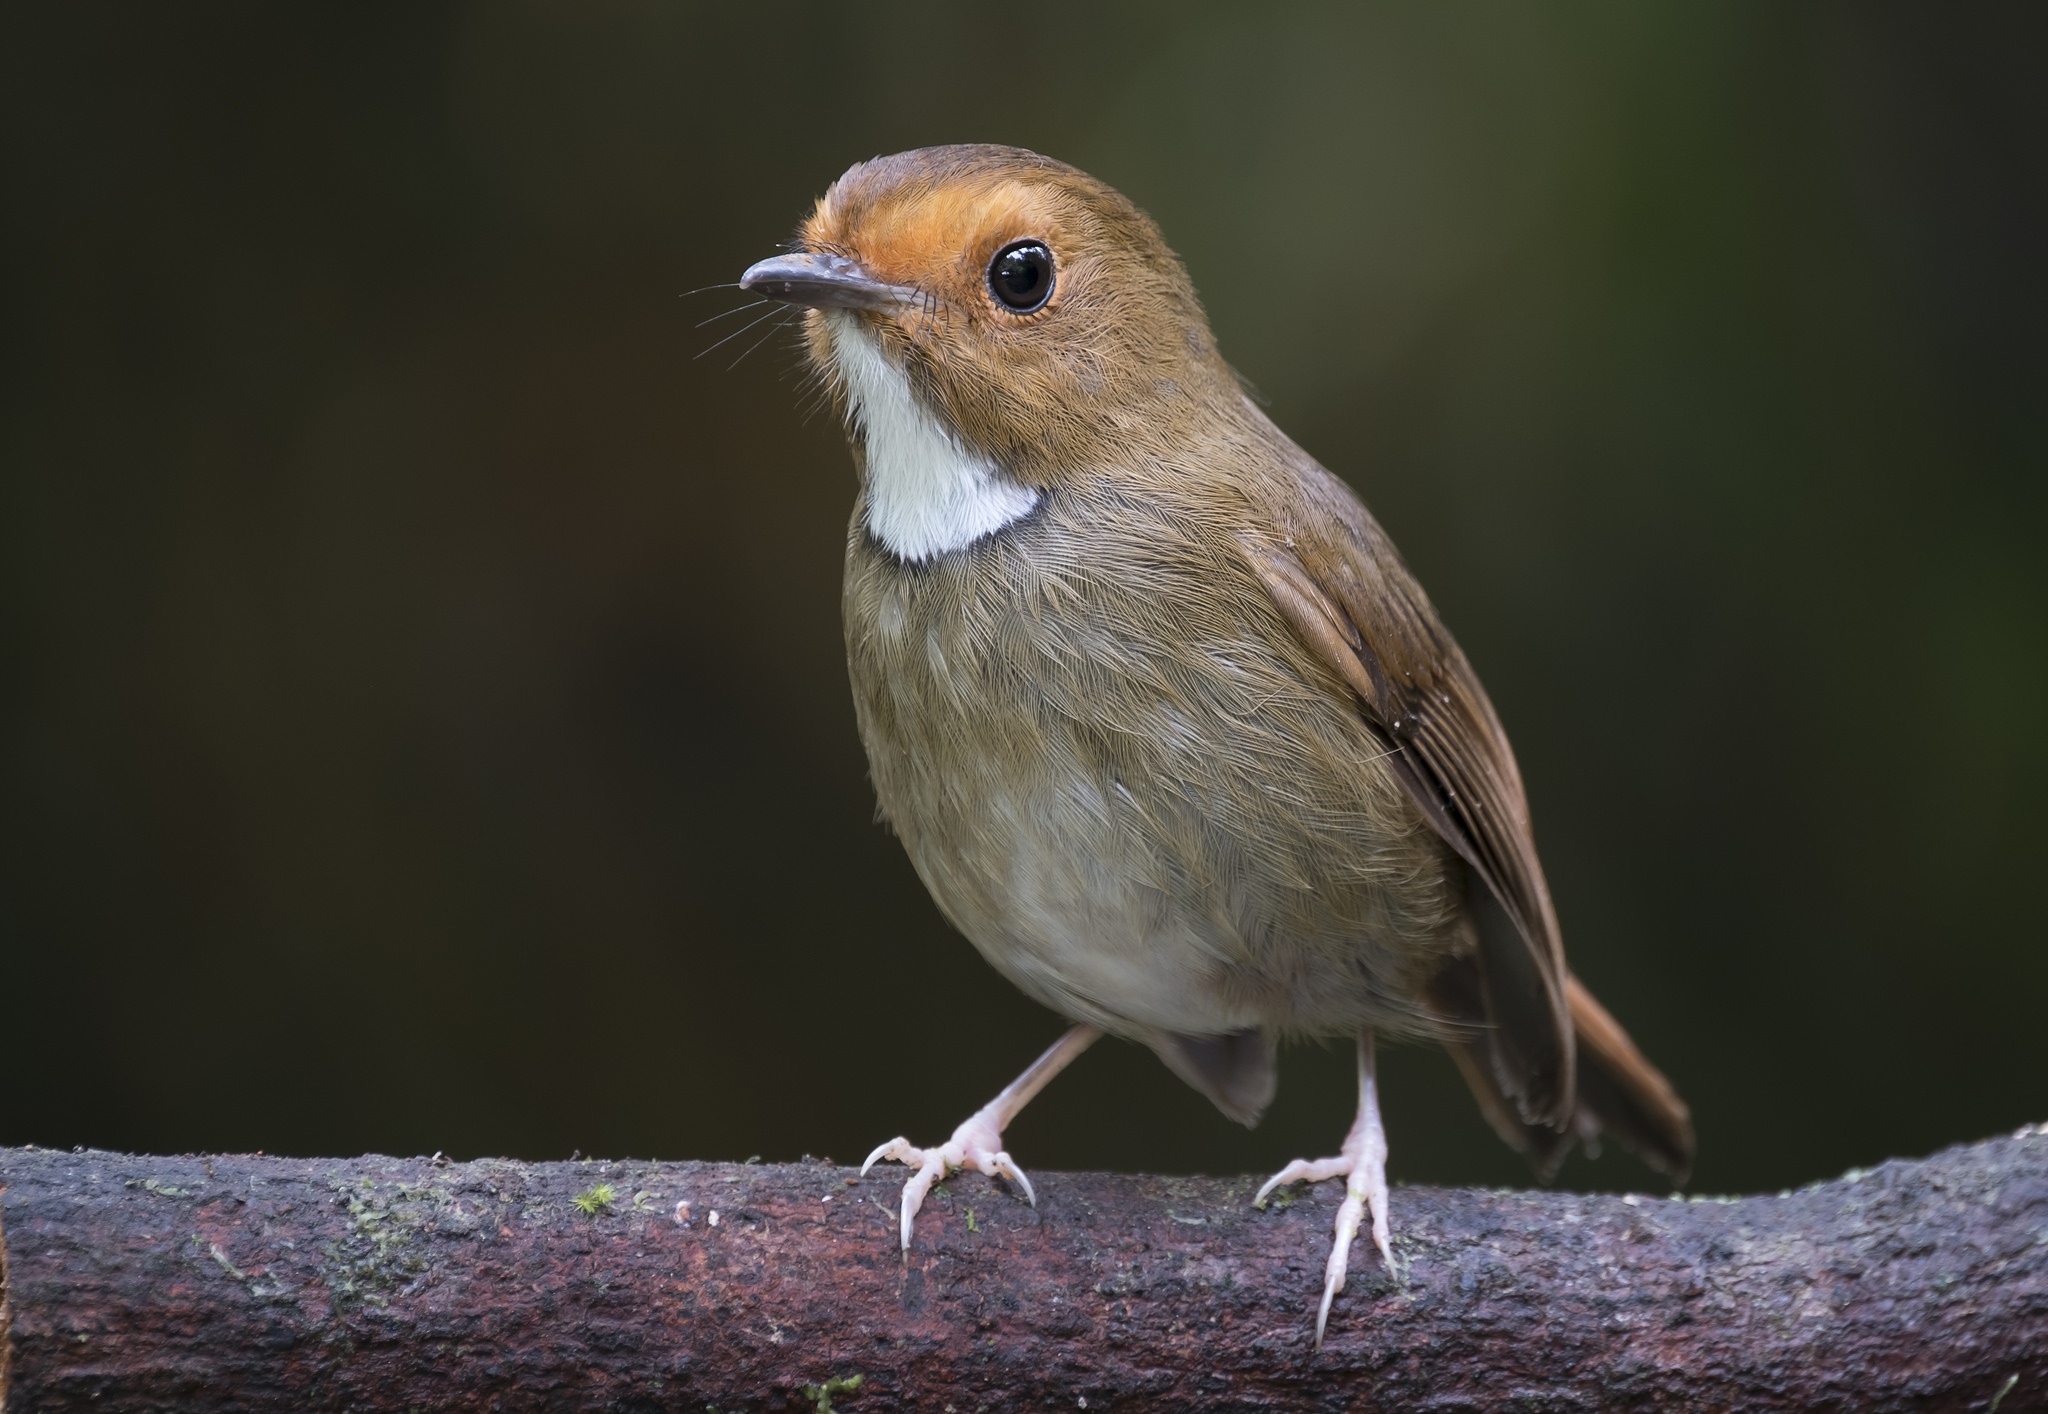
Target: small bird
{"type": "Point", "coordinates": [1167, 728]}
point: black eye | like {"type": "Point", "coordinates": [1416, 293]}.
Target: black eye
{"type": "Point", "coordinates": [1021, 275]}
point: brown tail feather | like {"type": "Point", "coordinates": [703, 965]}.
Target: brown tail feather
{"type": "Point", "coordinates": [1619, 1093]}
{"type": "Point", "coordinates": [1630, 1097]}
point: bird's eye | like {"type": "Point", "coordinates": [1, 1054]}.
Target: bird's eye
{"type": "Point", "coordinates": [1021, 276]}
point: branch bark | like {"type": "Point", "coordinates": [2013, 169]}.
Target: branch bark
{"type": "Point", "coordinates": [188, 1284]}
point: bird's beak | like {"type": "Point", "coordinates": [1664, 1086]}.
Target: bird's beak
{"type": "Point", "coordinates": [825, 282]}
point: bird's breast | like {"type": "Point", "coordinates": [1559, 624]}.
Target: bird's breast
{"type": "Point", "coordinates": [1110, 765]}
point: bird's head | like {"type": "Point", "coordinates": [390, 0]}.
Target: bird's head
{"type": "Point", "coordinates": [1032, 310]}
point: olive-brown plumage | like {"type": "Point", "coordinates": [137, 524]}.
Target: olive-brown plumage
{"type": "Point", "coordinates": [1165, 724]}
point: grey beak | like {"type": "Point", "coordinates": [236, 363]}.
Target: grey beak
{"type": "Point", "coordinates": [825, 282]}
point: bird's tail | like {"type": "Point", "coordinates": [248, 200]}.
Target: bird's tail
{"type": "Point", "coordinates": [1619, 1093]}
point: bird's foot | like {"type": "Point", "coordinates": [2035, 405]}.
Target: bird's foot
{"type": "Point", "coordinates": [1363, 1166]}
{"type": "Point", "coordinates": [977, 1144]}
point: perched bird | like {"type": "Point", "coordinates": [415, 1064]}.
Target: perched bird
{"type": "Point", "coordinates": [1167, 727]}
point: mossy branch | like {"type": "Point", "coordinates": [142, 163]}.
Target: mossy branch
{"type": "Point", "coordinates": [188, 1284]}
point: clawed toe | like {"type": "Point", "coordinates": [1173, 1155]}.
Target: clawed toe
{"type": "Point", "coordinates": [967, 1149]}
{"type": "Point", "coordinates": [1001, 1165]}
{"type": "Point", "coordinates": [1301, 1171]}
{"type": "Point", "coordinates": [978, 1143]}
{"type": "Point", "coordinates": [1363, 1166]}
{"type": "Point", "coordinates": [899, 1149]}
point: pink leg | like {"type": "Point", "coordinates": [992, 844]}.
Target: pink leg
{"type": "Point", "coordinates": [978, 1143]}
{"type": "Point", "coordinates": [1363, 1164]}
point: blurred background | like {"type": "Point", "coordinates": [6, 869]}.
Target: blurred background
{"type": "Point", "coordinates": [423, 717]}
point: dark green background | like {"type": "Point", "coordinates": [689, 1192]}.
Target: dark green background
{"type": "Point", "coordinates": [425, 724]}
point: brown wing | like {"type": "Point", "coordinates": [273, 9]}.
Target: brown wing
{"type": "Point", "coordinates": [1336, 578]}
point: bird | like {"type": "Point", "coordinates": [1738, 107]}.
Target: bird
{"type": "Point", "coordinates": [1167, 727]}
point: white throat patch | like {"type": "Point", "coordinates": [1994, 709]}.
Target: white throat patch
{"type": "Point", "coordinates": [927, 493]}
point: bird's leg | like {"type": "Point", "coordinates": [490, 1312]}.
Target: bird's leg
{"type": "Point", "coordinates": [978, 1142]}
{"type": "Point", "coordinates": [1363, 1163]}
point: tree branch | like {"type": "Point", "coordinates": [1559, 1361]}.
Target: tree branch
{"type": "Point", "coordinates": [187, 1284]}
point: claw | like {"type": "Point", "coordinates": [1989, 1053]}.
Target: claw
{"type": "Point", "coordinates": [1363, 1166]}
{"type": "Point", "coordinates": [971, 1147]}
{"type": "Point", "coordinates": [931, 1167]}
{"type": "Point", "coordinates": [895, 1149]}
{"type": "Point", "coordinates": [1301, 1171]}
{"type": "Point", "coordinates": [1006, 1167]}
{"type": "Point", "coordinates": [1348, 1214]}
{"type": "Point", "coordinates": [978, 1143]}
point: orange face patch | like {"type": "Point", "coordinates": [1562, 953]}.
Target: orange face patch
{"type": "Point", "coordinates": [936, 237]}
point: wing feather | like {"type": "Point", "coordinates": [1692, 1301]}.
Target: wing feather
{"type": "Point", "coordinates": [1342, 586]}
